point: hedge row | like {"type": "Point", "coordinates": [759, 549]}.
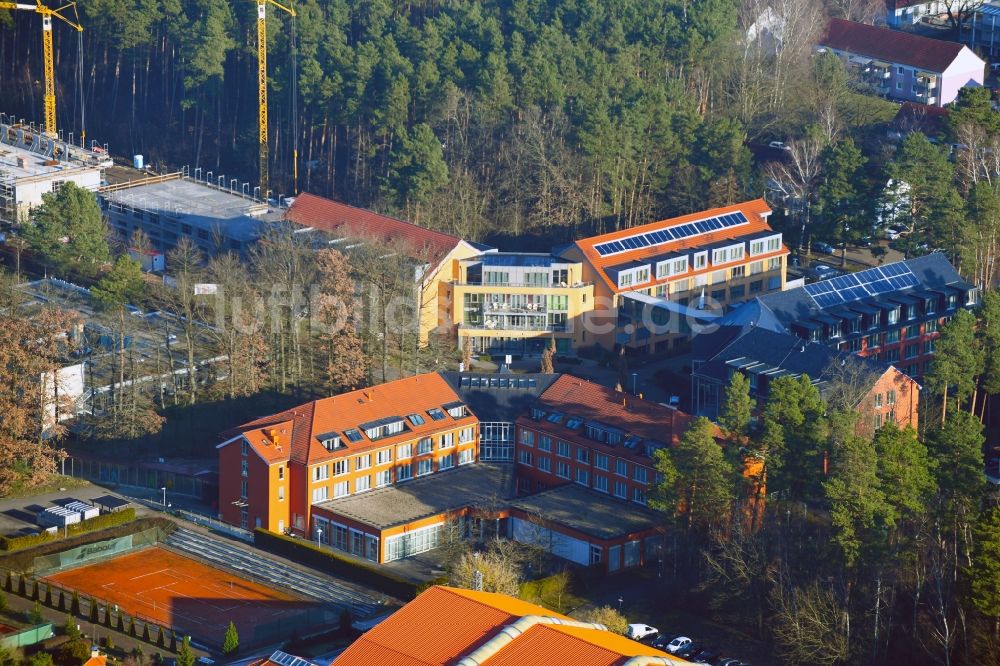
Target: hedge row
{"type": "Point", "coordinates": [306, 552]}
{"type": "Point", "coordinates": [22, 560]}
{"type": "Point", "coordinates": [25, 541]}
{"type": "Point", "coordinates": [101, 522]}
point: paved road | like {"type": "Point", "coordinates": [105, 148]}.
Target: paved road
{"type": "Point", "coordinates": [240, 558]}
{"type": "Point", "coordinates": [19, 514]}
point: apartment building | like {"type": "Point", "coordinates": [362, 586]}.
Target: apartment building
{"type": "Point", "coordinates": [430, 257]}
{"type": "Point", "coordinates": [902, 65]}
{"type": "Point", "coordinates": [652, 282]}
{"type": "Point", "coordinates": [274, 470]}
{"type": "Point", "coordinates": [983, 29]}
{"type": "Point", "coordinates": [515, 303]}
{"type": "Point", "coordinates": [892, 314]}
{"type": "Point", "coordinates": [886, 395]}
{"type": "Point", "coordinates": [584, 433]}
{"type": "Point", "coordinates": [902, 13]}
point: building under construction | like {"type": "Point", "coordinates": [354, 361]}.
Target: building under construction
{"type": "Point", "coordinates": [216, 216]}
{"type": "Point", "coordinates": [32, 164]}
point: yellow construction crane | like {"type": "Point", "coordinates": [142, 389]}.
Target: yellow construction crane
{"type": "Point", "coordinates": [50, 76]}
{"type": "Point", "coordinates": [262, 85]}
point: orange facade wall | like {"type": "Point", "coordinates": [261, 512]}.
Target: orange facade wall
{"type": "Point", "coordinates": [258, 502]}
{"type": "Point", "coordinates": [325, 481]}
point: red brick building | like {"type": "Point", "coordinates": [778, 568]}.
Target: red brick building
{"type": "Point", "coordinates": [584, 433]}
{"type": "Point", "coordinates": [887, 394]}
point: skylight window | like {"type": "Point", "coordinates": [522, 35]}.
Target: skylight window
{"type": "Point", "coordinates": [574, 422]}
{"type": "Point", "coordinates": [554, 417]}
{"type": "Point", "coordinates": [416, 419]}
{"type": "Point", "coordinates": [435, 413]}
{"type": "Point", "coordinates": [353, 435]}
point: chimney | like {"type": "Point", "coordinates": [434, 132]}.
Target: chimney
{"type": "Point", "coordinates": [20, 162]}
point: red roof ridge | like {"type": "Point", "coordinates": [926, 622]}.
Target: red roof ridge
{"type": "Point", "coordinates": [328, 215]}
{"type": "Point", "coordinates": [895, 46]}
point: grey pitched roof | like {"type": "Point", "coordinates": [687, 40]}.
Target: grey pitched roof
{"type": "Point", "coordinates": [777, 311]}
{"type": "Point", "coordinates": [776, 354]}
{"type": "Point", "coordinates": [493, 398]}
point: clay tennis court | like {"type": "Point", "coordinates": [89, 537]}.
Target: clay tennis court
{"type": "Point", "coordinates": [178, 592]}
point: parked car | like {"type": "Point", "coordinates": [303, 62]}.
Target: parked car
{"type": "Point", "coordinates": [729, 661]}
{"type": "Point", "coordinates": [677, 644]}
{"type": "Point", "coordinates": [823, 272]}
{"type": "Point", "coordinates": [706, 656]}
{"type": "Point", "coordinates": [639, 631]}
{"type": "Point", "coordinates": [675, 401]}
{"type": "Point", "coordinates": [896, 231]}
{"type": "Point", "coordinates": [661, 641]}
{"type": "Point", "coordinates": [825, 248]}
{"type": "Point", "coordinates": [690, 650]}
{"type": "Point", "coordinates": [778, 145]}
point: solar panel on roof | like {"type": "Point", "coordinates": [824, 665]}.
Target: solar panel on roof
{"type": "Point", "coordinates": [679, 232]}
{"type": "Point", "coordinates": [891, 270]}
{"type": "Point", "coordinates": [828, 300]}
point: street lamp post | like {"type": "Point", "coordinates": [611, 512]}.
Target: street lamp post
{"type": "Point", "coordinates": [164, 489]}
{"type": "Point", "coordinates": [620, 601]}
{"type": "Point", "coordinates": [319, 537]}
{"type": "Point", "coordinates": [634, 376]}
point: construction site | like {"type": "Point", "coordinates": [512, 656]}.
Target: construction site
{"type": "Point", "coordinates": [33, 164]}
{"type": "Point", "coordinates": [154, 341]}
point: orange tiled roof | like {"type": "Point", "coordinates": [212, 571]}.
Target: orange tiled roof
{"type": "Point", "coordinates": [335, 217]}
{"type": "Point", "coordinates": [297, 429]}
{"type": "Point", "coordinates": [756, 212]}
{"type": "Point", "coordinates": [577, 397]}
{"type": "Point", "coordinates": [444, 624]}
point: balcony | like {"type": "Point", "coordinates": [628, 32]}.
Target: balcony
{"type": "Point", "coordinates": [500, 325]}
{"type": "Point", "coordinates": [522, 285]}
{"type": "Point", "coordinates": [503, 309]}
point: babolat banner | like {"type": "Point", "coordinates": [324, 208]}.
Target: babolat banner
{"type": "Point", "coordinates": [98, 550]}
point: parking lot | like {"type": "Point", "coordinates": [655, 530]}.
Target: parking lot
{"type": "Point", "coordinates": [155, 338]}
{"type": "Point", "coordinates": [644, 597]}
{"type": "Point", "coordinates": [17, 516]}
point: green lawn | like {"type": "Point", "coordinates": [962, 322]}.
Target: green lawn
{"type": "Point", "coordinates": [57, 482]}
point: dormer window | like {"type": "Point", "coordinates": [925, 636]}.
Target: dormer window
{"type": "Point", "coordinates": [537, 414]}
{"type": "Point", "coordinates": [456, 410]}
{"type": "Point", "coordinates": [386, 427]}
{"type": "Point", "coordinates": [330, 443]}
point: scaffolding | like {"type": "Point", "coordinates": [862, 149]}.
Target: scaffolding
{"type": "Point", "coordinates": [8, 198]}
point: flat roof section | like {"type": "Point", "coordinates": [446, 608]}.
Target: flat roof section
{"type": "Point", "coordinates": [21, 163]}
{"type": "Point", "coordinates": [593, 513]}
{"type": "Point", "coordinates": [432, 495]}
{"type": "Point", "coordinates": [200, 205]}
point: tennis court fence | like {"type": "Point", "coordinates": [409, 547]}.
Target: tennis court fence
{"type": "Point", "coordinates": [44, 565]}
